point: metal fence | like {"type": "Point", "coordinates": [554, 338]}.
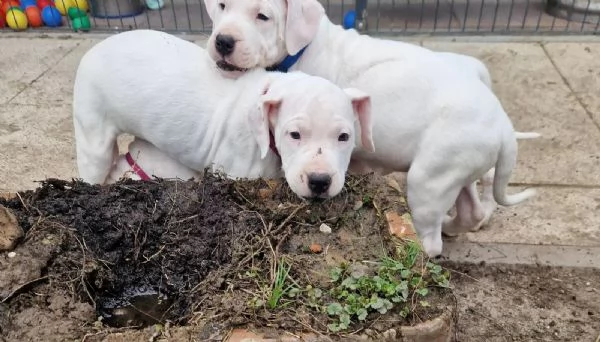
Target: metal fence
{"type": "Point", "coordinates": [391, 17]}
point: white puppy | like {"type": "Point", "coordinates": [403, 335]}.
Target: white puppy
{"type": "Point", "coordinates": [166, 91]}
{"type": "Point", "coordinates": [445, 128]}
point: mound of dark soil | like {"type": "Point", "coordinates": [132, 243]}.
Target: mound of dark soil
{"type": "Point", "coordinates": [205, 253]}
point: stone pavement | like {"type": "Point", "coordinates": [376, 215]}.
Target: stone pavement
{"type": "Point", "coordinates": [547, 86]}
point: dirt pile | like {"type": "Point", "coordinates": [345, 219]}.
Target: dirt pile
{"type": "Point", "coordinates": [214, 255]}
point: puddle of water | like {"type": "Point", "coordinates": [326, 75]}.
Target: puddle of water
{"type": "Point", "coordinates": [138, 306]}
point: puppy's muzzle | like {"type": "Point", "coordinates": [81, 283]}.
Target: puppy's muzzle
{"type": "Point", "coordinates": [319, 183]}
{"type": "Point", "coordinates": [225, 44]}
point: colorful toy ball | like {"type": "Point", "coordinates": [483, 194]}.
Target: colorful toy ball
{"type": "Point", "coordinates": [16, 19]}
{"type": "Point", "coordinates": [43, 3]}
{"type": "Point", "coordinates": [75, 12]}
{"type": "Point", "coordinates": [81, 24]}
{"type": "Point", "coordinates": [82, 5]}
{"type": "Point", "coordinates": [27, 3]}
{"type": "Point", "coordinates": [34, 16]}
{"type": "Point", "coordinates": [8, 4]}
{"type": "Point", "coordinates": [2, 20]}
{"type": "Point", "coordinates": [64, 5]}
{"type": "Point", "coordinates": [51, 16]}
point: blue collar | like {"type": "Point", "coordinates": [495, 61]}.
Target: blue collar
{"type": "Point", "coordinates": [288, 62]}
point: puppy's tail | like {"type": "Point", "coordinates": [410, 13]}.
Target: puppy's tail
{"type": "Point", "coordinates": [527, 135]}
{"type": "Point", "coordinates": [507, 159]}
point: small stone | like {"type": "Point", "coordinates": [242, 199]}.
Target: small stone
{"type": "Point", "coordinates": [401, 226]}
{"type": "Point", "coordinates": [265, 193]}
{"type": "Point", "coordinates": [316, 248]}
{"type": "Point", "coordinates": [393, 183]}
{"type": "Point", "coordinates": [10, 231]}
{"type": "Point", "coordinates": [325, 228]}
{"type": "Point", "coordinates": [588, 284]}
{"type": "Point", "coordinates": [370, 332]}
{"type": "Point", "coordinates": [357, 205]}
{"type": "Point", "coordinates": [358, 270]}
{"type": "Point", "coordinates": [389, 335]}
{"type": "Point", "coordinates": [12, 255]}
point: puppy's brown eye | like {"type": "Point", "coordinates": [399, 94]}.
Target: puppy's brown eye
{"type": "Point", "coordinates": [222, 5]}
{"type": "Point", "coordinates": [343, 137]}
{"type": "Point", "coordinates": [295, 135]}
{"type": "Point", "coordinates": [262, 17]}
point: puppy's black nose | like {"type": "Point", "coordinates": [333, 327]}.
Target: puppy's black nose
{"type": "Point", "coordinates": [225, 44]}
{"type": "Point", "coordinates": [319, 183]}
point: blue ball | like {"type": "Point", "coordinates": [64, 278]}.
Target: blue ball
{"type": "Point", "coordinates": [349, 20]}
{"type": "Point", "coordinates": [51, 16]}
{"type": "Point", "coordinates": [27, 3]}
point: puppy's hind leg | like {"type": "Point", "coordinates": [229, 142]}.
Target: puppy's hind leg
{"type": "Point", "coordinates": [487, 198]}
{"type": "Point", "coordinates": [430, 196]}
{"type": "Point", "coordinates": [96, 149]}
{"type": "Point", "coordinates": [469, 212]}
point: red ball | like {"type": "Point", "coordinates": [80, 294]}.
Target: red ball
{"type": "Point", "coordinates": [43, 3]}
{"type": "Point", "coordinates": [34, 16]}
{"type": "Point", "coordinates": [2, 20]}
{"type": "Point", "coordinates": [6, 5]}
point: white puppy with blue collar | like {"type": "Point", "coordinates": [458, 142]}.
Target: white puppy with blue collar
{"type": "Point", "coordinates": [431, 119]}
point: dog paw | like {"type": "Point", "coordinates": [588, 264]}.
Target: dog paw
{"type": "Point", "coordinates": [432, 245]}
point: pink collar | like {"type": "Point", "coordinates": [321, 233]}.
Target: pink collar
{"type": "Point", "coordinates": [138, 170]}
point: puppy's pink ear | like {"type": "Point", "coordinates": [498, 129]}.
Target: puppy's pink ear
{"type": "Point", "coordinates": [260, 119]}
{"type": "Point", "coordinates": [302, 23]}
{"type": "Point", "coordinates": [211, 6]}
{"type": "Point", "coordinates": [361, 103]}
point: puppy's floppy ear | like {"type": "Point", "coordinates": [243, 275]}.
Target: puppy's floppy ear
{"type": "Point", "coordinates": [302, 23]}
{"type": "Point", "coordinates": [260, 118]}
{"type": "Point", "coordinates": [211, 6]}
{"type": "Point", "coordinates": [361, 103]}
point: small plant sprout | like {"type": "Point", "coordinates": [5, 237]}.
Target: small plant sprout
{"type": "Point", "coordinates": [395, 284]}
{"type": "Point", "coordinates": [279, 288]}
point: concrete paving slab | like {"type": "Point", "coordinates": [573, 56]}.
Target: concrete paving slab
{"type": "Point", "coordinates": [556, 216]}
{"type": "Point", "coordinates": [36, 143]}
{"type": "Point", "coordinates": [24, 60]}
{"type": "Point", "coordinates": [579, 64]}
{"type": "Point", "coordinates": [536, 98]}
{"type": "Point", "coordinates": [559, 216]}
{"type": "Point", "coordinates": [56, 86]}
{"type": "Point", "coordinates": [493, 253]}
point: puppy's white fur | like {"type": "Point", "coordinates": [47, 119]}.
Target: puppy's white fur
{"type": "Point", "coordinates": [153, 161]}
{"type": "Point", "coordinates": [444, 127]}
{"type": "Point", "coordinates": [166, 91]}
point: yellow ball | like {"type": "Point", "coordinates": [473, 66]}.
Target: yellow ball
{"type": "Point", "coordinates": [82, 5]}
{"type": "Point", "coordinates": [16, 19]}
{"type": "Point", "coordinates": [63, 5]}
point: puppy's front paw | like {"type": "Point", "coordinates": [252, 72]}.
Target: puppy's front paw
{"type": "Point", "coordinates": [432, 244]}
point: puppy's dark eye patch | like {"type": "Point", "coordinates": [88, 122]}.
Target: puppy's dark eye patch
{"type": "Point", "coordinates": [222, 6]}
{"type": "Point", "coordinates": [343, 137]}
{"type": "Point", "coordinates": [295, 135]}
{"type": "Point", "coordinates": [262, 17]}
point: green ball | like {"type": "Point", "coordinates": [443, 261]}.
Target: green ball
{"type": "Point", "coordinates": [75, 12]}
{"type": "Point", "coordinates": [81, 24]}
